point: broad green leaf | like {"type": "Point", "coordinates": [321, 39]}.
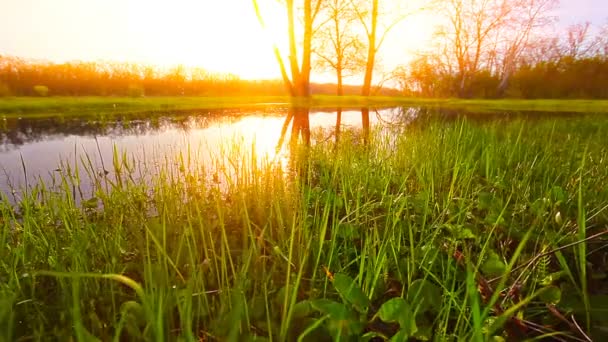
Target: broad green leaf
{"type": "Point", "coordinates": [335, 310]}
{"type": "Point", "coordinates": [553, 277]}
{"type": "Point", "coordinates": [342, 329]}
{"type": "Point", "coordinates": [552, 295]}
{"type": "Point", "coordinates": [466, 233]}
{"type": "Point", "coordinates": [558, 194]}
{"type": "Point", "coordinates": [350, 292]}
{"type": "Point", "coordinates": [424, 296]}
{"type": "Point", "coordinates": [343, 322]}
{"type": "Point", "coordinates": [493, 267]}
{"type": "Point", "coordinates": [392, 309]}
{"type": "Point", "coordinates": [460, 232]}
{"type": "Point", "coordinates": [399, 311]}
{"type": "Point", "coordinates": [302, 309]}
{"type": "Point", "coordinates": [401, 336]}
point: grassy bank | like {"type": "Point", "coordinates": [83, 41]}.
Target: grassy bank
{"type": "Point", "coordinates": [448, 231]}
{"type": "Point", "coordinates": [40, 107]}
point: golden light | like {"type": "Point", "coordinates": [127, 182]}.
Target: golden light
{"type": "Point", "coordinates": [218, 35]}
{"type": "Point", "coordinates": [221, 36]}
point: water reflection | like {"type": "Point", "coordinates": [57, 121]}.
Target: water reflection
{"type": "Point", "coordinates": [150, 143]}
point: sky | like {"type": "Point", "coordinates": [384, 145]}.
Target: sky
{"type": "Point", "coordinates": [218, 35]}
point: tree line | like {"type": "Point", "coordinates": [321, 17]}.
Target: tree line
{"type": "Point", "coordinates": [20, 77]}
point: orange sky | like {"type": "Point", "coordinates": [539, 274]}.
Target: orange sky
{"type": "Point", "coordinates": [219, 35]}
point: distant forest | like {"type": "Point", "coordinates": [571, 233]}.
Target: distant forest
{"type": "Point", "coordinates": [561, 76]}
{"type": "Point", "coordinates": [514, 63]}
{"type": "Point", "coordinates": [564, 77]}
{"type": "Point", "coordinates": [21, 77]}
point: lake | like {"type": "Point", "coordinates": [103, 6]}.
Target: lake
{"type": "Point", "coordinates": [34, 150]}
{"type": "Point", "coordinates": [38, 149]}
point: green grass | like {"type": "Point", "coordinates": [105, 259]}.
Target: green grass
{"type": "Point", "coordinates": [66, 106]}
{"type": "Point", "coordinates": [410, 236]}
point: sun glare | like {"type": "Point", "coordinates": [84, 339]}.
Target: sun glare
{"type": "Point", "coordinates": [221, 36]}
{"type": "Point", "coordinates": [218, 35]}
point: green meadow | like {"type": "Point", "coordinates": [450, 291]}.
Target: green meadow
{"type": "Point", "coordinates": [93, 105]}
{"type": "Point", "coordinates": [448, 230]}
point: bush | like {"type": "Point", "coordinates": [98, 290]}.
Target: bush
{"type": "Point", "coordinates": [5, 90]}
{"type": "Point", "coordinates": [41, 90]}
{"type": "Point", "coordinates": [135, 90]}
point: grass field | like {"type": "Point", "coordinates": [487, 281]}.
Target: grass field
{"type": "Point", "coordinates": [38, 107]}
{"type": "Point", "coordinates": [448, 231]}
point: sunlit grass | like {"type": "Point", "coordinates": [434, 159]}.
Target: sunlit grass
{"type": "Point", "coordinates": [411, 235]}
{"type": "Point", "coordinates": [91, 105]}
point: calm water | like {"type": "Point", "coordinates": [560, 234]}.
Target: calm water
{"type": "Point", "coordinates": [44, 146]}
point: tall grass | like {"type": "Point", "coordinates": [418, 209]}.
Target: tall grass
{"type": "Point", "coordinates": [440, 231]}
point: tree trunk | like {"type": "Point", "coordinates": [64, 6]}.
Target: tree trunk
{"type": "Point", "coordinates": [504, 84]}
{"type": "Point", "coordinates": [293, 51]}
{"type": "Point", "coordinates": [371, 52]}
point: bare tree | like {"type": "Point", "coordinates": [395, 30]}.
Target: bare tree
{"type": "Point", "coordinates": [470, 31]}
{"type": "Point", "coordinates": [488, 35]}
{"type": "Point", "coordinates": [544, 49]}
{"type": "Point", "coordinates": [578, 42]}
{"type": "Point", "coordinates": [375, 31]}
{"type": "Point", "coordinates": [602, 40]}
{"type": "Point", "coordinates": [299, 83]}
{"type": "Point", "coordinates": [338, 46]}
{"type": "Point", "coordinates": [526, 17]}
{"type": "Point", "coordinates": [368, 14]}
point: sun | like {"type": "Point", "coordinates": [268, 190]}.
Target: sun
{"type": "Point", "coordinates": [221, 36]}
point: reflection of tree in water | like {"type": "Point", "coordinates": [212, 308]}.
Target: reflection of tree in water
{"type": "Point", "coordinates": [391, 121]}
{"type": "Point", "coordinates": [15, 132]}
{"type": "Point", "coordinates": [19, 131]}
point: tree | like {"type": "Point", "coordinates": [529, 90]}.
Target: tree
{"type": "Point", "coordinates": [375, 36]}
{"type": "Point", "coordinates": [299, 83]}
{"type": "Point", "coordinates": [602, 39]}
{"type": "Point", "coordinates": [526, 17]}
{"type": "Point", "coordinates": [470, 24]}
{"type": "Point", "coordinates": [579, 43]}
{"type": "Point", "coordinates": [368, 13]}
{"type": "Point", "coordinates": [338, 48]}
{"type": "Point", "coordinates": [487, 34]}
